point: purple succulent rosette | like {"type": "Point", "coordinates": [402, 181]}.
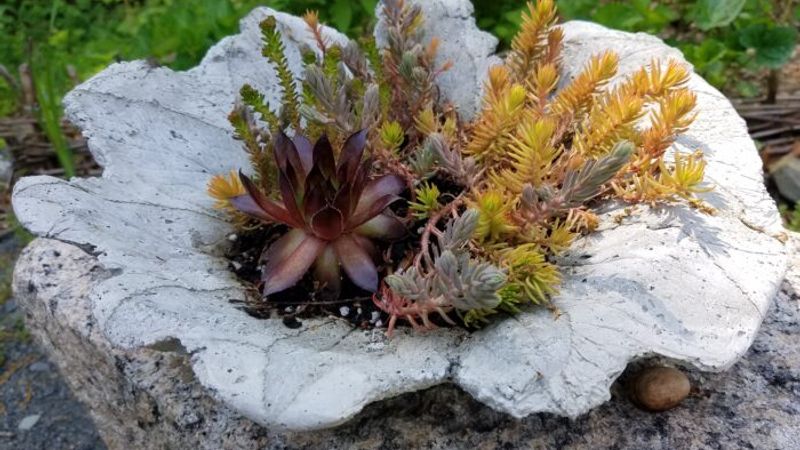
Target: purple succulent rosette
{"type": "Point", "coordinates": [334, 210]}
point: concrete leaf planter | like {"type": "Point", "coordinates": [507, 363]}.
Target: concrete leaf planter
{"type": "Point", "coordinates": [670, 282]}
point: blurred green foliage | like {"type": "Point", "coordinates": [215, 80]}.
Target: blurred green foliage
{"type": "Point", "coordinates": [52, 36]}
{"type": "Point", "coordinates": [89, 34]}
{"type": "Point", "coordinates": [718, 36]}
{"type": "Point", "coordinates": [48, 94]}
{"type": "Point", "coordinates": [791, 216]}
{"type": "Point", "coordinates": [727, 40]}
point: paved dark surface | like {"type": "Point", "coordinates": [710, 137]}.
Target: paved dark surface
{"type": "Point", "coordinates": [33, 395]}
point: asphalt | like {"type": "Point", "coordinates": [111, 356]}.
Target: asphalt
{"type": "Point", "coordinates": [37, 409]}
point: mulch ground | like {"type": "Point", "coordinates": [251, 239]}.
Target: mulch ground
{"type": "Point", "coordinates": [776, 126]}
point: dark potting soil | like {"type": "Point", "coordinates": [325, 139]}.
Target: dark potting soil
{"type": "Point", "coordinates": [303, 300]}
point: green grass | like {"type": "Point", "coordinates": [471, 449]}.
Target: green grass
{"type": "Point", "coordinates": [48, 97]}
{"type": "Point", "coordinates": [12, 332]}
{"type": "Point", "coordinates": [722, 38]}
{"type": "Point", "coordinates": [91, 34]}
{"type": "Point", "coordinates": [791, 216]}
{"type": "Point", "coordinates": [8, 101]}
{"type": "Point", "coordinates": [88, 35]}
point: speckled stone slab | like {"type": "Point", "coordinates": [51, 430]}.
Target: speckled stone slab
{"type": "Point", "coordinates": [670, 282]}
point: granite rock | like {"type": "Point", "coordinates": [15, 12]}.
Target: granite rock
{"type": "Point", "coordinates": [671, 282]}
{"type": "Point", "coordinates": [149, 398]}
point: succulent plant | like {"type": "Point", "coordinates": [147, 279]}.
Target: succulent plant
{"type": "Point", "coordinates": [495, 199]}
{"type": "Point", "coordinates": [450, 278]}
{"type": "Point", "coordinates": [334, 211]}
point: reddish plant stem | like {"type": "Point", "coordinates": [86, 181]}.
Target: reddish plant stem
{"type": "Point", "coordinates": [430, 228]}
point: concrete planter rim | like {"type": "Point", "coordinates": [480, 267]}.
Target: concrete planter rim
{"type": "Point", "coordinates": [667, 281]}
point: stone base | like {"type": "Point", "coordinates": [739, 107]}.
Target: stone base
{"type": "Point", "coordinates": [150, 398]}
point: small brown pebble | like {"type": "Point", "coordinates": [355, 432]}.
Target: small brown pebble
{"type": "Point", "coordinates": [659, 388]}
